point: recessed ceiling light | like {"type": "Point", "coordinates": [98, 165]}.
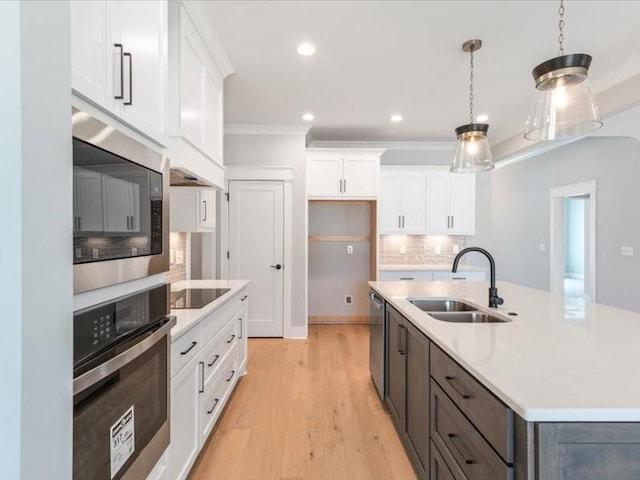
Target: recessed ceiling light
{"type": "Point", "coordinates": [308, 117]}
{"type": "Point", "coordinates": [482, 118]}
{"type": "Point", "coordinates": [396, 118]}
{"type": "Point", "coordinates": [306, 49]}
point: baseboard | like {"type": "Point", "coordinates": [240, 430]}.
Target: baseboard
{"type": "Point", "coordinates": [338, 319]}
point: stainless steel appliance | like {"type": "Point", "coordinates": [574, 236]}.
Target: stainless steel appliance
{"type": "Point", "coordinates": [376, 341]}
{"type": "Point", "coordinates": [121, 386]}
{"type": "Point", "coordinates": [120, 206]}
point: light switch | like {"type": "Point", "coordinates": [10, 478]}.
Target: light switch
{"type": "Point", "coordinates": [438, 249]}
{"type": "Point", "coordinates": [172, 255]}
{"type": "Point", "coordinates": [456, 249]}
{"type": "Point", "coordinates": [350, 249]}
{"type": "Point", "coordinates": [542, 247]}
{"type": "Point", "coordinates": [403, 249]}
{"type": "Point", "coordinates": [626, 251]}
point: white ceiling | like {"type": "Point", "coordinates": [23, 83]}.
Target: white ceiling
{"type": "Point", "coordinates": [377, 58]}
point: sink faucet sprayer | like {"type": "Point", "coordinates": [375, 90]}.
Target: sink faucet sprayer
{"type": "Point", "coordinates": [494, 299]}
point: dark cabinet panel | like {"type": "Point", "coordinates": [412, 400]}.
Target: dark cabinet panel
{"type": "Point", "coordinates": [440, 469]}
{"type": "Point", "coordinates": [396, 368]}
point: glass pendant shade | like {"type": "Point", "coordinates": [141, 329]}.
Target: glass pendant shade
{"type": "Point", "coordinates": [563, 105]}
{"type": "Point", "coordinates": [472, 154]}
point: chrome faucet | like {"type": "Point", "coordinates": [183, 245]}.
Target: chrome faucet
{"type": "Point", "coordinates": [494, 299]}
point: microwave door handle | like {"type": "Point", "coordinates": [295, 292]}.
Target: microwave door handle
{"type": "Point", "coordinates": [93, 376]}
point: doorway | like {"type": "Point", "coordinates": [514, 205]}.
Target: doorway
{"type": "Point", "coordinates": [256, 251]}
{"type": "Point", "coordinates": [573, 242]}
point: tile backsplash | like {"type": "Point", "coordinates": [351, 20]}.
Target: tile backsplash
{"type": "Point", "coordinates": [177, 257]}
{"type": "Point", "coordinates": [419, 249]}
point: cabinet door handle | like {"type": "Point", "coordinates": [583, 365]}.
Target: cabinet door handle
{"type": "Point", "coordinates": [244, 298]}
{"type": "Point", "coordinates": [344, 182]}
{"type": "Point", "coordinates": [215, 359]}
{"type": "Point", "coordinates": [128, 54]}
{"type": "Point", "coordinates": [240, 320]}
{"type": "Point", "coordinates": [453, 381]}
{"type": "Point", "coordinates": [448, 221]}
{"type": "Point", "coordinates": [401, 347]}
{"type": "Point", "coordinates": [457, 443]}
{"type": "Point", "coordinates": [215, 404]}
{"type": "Point", "coordinates": [407, 278]}
{"type": "Point", "coordinates": [204, 202]}
{"type": "Point", "coordinates": [231, 339]}
{"type": "Point", "coordinates": [121, 96]}
{"type": "Point", "coordinates": [399, 221]}
{"type": "Point", "coordinates": [233, 372]}
{"type": "Point", "coordinates": [79, 223]}
{"type": "Point", "coordinates": [193, 344]}
{"type": "Point", "coordinates": [452, 218]}
{"type": "Point", "coordinates": [402, 221]}
{"type": "Point", "coordinates": [201, 389]}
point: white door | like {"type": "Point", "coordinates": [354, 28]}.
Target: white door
{"type": "Point", "coordinates": [390, 203]}
{"type": "Point", "coordinates": [437, 201]}
{"type": "Point", "coordinates": [360, 176]}
{"type": "Point", "coordinates": [462, 204]}
{"type": "Point", "coordinates": [413, 203]}
{"type": "Point", "coordinates": [325, 177]}
{"type": "Point", "coordinates": [256, 251]}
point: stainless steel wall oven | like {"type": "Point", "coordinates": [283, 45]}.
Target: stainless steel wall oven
{"type": "Point", "coordinates": [121, 386]}
{"type": "Point", "coordinates": [120, 206]}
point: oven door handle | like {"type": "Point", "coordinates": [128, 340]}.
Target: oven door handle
{"type": "Point", "coordinates": [93, 376]}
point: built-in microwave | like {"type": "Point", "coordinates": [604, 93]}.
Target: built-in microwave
{"type": "Point", "coordinates": [120, 206]}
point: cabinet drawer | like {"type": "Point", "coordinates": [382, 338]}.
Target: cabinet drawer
{"type": "Point", "coordinates": [185, 348]}
{"type": "Point", "coordinates": [216, 350]}
{"type": "Point", "coordinates": [440, 469]}
{"type": "Point", "coordinates": [406, 275]}
{"type": "Point", "coordinates": [216, 395]}
{"type": "Point", "coordinates": [454, 434]}
{"type": "Point", "coordinates": [490, 416]}
{"type": "Point", "coordinates": [216, 320]}
{"type": "Point", "coordinates": [474, 276]}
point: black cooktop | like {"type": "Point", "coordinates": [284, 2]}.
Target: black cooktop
{"type": "Point", "coordinates": [195, 297]}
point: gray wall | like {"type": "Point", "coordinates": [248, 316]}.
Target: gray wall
{"type": "Point", "coordinates": [416, 157]}
{"type": "Point", "coordinates": [283, 151]}
{"type": "Point", "coordinates": [36, 348]}
{"type": "Point", "coordinates": [519, 219]}
{"type": "Point", "coordinates": [333, 273]}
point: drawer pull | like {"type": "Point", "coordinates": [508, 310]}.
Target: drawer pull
{"type": "Point", "coordinates": [244, 298]}
{"type": "Point", "coordinates": [458, 278]}
{"type": "Point", "coordinates": [215, 359]}
{"type": "Point", "coordinates": [193, 344]}
{"type": "Point", "coordinates": [407, 278]}
{"type": "Point", "coordinates": [231, 339]}
{"type": "Point", "coordinates": [201, 389]}
{"type": "Point", "coordinates": [233, 372]}
{"type": "Point", "coordinates": [454, 440]}
{"type": "Point", "coordinates": [215, 404]}
{"type": "Point", "coordinates": [452, 382]}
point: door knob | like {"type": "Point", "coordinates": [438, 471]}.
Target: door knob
{"type": "Point", "coordinates": [277, 267]}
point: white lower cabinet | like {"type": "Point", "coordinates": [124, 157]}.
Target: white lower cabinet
{"type": "Point", "coordinates": [204, 368]}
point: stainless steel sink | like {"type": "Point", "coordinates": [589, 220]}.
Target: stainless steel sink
{"type": "Point", "coordinates": [467, 317]}
{"type": "Point", "coordinates": [442, 305]}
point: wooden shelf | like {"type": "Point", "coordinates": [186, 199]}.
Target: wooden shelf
{"type": "Point", "coordinates": [339, 238]}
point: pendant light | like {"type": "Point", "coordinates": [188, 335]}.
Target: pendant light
{"type": "Point", "coordinates": [563, 105]}
{"type": "Point", "coordinates": [472, 153]}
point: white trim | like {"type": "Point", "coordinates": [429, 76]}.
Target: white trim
{"type": "Point", "coordinates": [201, 19]}
{"type": "Point", "coordinates": [537, 148]}
{"type": "Point", "coordinates": [392, 145]}
{"type": "Point", "coordinates": [287, 297]}
{"type": "Point", "coordinates": [298, 333]}
{"type": "Point", "coordinates": [320, 152]}
{"type": "Point", "coordinates": [255, 129]}
{"type": "Point", "coordinates": [556, 195]}
{"type": "Point", "coordinates": [241, 172]}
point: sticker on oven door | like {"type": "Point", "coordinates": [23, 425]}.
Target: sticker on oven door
{"type": "Point", "coordinates": [122, 441]}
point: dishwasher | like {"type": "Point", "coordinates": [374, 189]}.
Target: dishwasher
{"type": "Point", "coordinates": [376, 341]}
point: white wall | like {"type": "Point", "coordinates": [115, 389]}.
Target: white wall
{"type": "Point", "coordinates": [416, 157]}
{"type": "Point", "coordinates": [280, 151]}
{"type": "Point", "coordinates": [519, 220]}
{"type": "Point", "coordinates": [36, 349]}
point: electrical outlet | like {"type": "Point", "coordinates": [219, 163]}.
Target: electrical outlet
{"type": "Point", "coordinates": [438, 249]}
{"type": "Point", "coordinates": [134, 251]}
{"type": "Point", "coordinates": [78, 252]}
{"type": "Point", "coordinates": [350, 249]}
{"type": "Point", "coordinates": [172, 255]}
{"type": "Point", "coordinates": [403, 249]}
{"type": "Point", "coordinates": [626, 251]}
{"type": "Point", "coordinates": [542, 247]}
{"type": "Point", "coordinates": [179, 257]}
{"type": "Point", "coordinates": [348, 300]}
{"type": "Point", "coordinates": [96, 253]}
{"type": "Point", "coordinates": [456, 249]}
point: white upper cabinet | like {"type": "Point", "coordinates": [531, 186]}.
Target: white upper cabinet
{"type": "Point", "coordinates": [87, 201]}
{"type": "Point", "coordinates": [119, 60]}
{"type": "Point", "coordinates": [196, 78]}
{"type": "Point", "coordinates": [402, 200]}
{"type": "Point", "coordinates": [340, 173]}
{"type": "Point", "coordinates": [451, 203]}
{"type": "Point", "coordinates": [193, 209]}
{"type": "Point", "coordinates": [121, 207]}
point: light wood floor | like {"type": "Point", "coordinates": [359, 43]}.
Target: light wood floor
{"type": "Point", "coordinates": [307, 409]}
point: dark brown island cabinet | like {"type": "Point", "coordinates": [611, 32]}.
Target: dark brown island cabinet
{"type": "Point", "coordinates": [454, 428]}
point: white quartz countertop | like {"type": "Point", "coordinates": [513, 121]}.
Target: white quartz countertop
{"type": "Point", "coordinates": [186, 318]}
{"type": "Point", "coordinates": [445, 267]}
{"type": "Point", "coordinates": [554, 361]}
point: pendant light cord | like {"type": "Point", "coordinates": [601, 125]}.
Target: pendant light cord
{"type": "Point", "coordinates": [471, 87]}
{"type": "Point", "coordinates": [560, 28]}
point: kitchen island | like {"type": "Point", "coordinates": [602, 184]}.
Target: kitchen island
{"type": "Point", "coordinates": [554, 393]}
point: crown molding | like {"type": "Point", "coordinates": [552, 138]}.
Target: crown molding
{"type": "Point", "coordinates": [393, 145]}
{"type": "Point", "coordinates": [201, 18]}
{"type": "Point", "coordinates": [249, 129]}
